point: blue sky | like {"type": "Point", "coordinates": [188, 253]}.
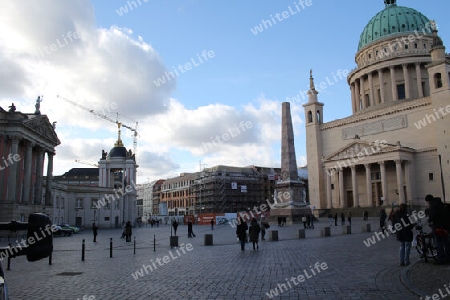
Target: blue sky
{"type": "Point", "coordinates": [119, 55]}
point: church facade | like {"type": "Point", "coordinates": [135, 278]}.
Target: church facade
{"type": "Point", "coordinates": [395, 147]}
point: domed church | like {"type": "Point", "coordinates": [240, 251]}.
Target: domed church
{"type": "Point", "coordinates": [395, 147]}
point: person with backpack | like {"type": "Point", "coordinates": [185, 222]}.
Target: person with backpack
{"type": "Point", "coordinates": [439, 219]}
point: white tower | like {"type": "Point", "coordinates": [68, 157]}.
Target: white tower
{"type": "Point", "coordinates": [117, 170]}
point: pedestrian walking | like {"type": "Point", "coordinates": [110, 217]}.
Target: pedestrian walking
{"type": "Point", "coordinates": [175, 226]}
{"type": "Point", "coordinates": [241, 232]}
{"type": "Point", "coordinates": [349, 219]}
{"type": "Point", "coordinates": [212, 224]}
{"type": "Point", "coordinates": [304, 221]}
{"type": "Point", "coordinates": [308, 221]}
{"type": "Point", "coordinates": [383, 217]}
{"type": "Point", "coordinates": [279, 221]}
{"type": "Point", "coordinates": [330, 218]}
{"type": "Point", "coordinates": [311, 218]}
{"type": "Point", "coordinates": [335, 219]}
{"type": "Point", "coordinates": [404, 235]}
{"type": "Point", "coordinates": [263, 226]}
{"type": "Point", "coordinates": [342, 218]}
{"type": "Point", "coordinates": [284, 222]}
{"type": "Point", "coordinates": [128, 231]}
{"type": "Point", "coordinates": [254, 233]}
{"type": "Point", "coordinates": [190, 231]}
{"type": "Point", "coordinates": [94, 230]}
{"type": "Point", "coordinates": [123, 230]}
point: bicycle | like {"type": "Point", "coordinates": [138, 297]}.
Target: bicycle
{"type": "Point", "coordinates": [425, 246]}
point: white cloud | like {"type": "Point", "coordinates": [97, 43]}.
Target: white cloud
{"type": "Point", "coordinates": [112, 71]}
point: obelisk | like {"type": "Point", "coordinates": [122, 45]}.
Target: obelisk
{"type": "Point", "coordinates": [289, 199]}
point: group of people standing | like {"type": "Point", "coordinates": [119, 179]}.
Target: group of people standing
{"type": "Point", "coordinates": [439, 220]}
{"type": "Point", "coordinates": [308, 221]}
{"type": "Point", "coordinates": [335, 218]}
{"type": "Point", "coordinates": [254, 230]}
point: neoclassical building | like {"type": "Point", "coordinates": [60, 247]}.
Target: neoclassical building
{"type": "Point", "coordinates": [25, 140]}
{"type": "Point", "coordinates": [394, 148]}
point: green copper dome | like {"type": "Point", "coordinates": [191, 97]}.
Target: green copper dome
{"type": "Point", "coordinates": [392, 20]}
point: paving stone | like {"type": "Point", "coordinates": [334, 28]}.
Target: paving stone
{"type": "Point", "coordinates": [221, 271]}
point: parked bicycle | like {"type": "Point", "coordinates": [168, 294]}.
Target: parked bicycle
{"type": "Point", "coordinates": [425, 244]}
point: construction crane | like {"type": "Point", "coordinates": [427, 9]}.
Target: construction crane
{"type": "Point", "coordinates": [134, 130]}
{"type": "Point", "coordinates": [85, 162]}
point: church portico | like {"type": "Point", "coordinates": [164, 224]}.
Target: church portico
{"type": "Point", "coordinates": [377, 179]}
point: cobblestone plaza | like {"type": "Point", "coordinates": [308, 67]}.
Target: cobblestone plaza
{"type": "Point", "coordinates": [222, 271]}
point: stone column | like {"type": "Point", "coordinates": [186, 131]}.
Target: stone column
{"type": "Point", "coordinates": [12, 165]}
{"type": "Point", "coordinates": [393, 84]}
{"type": "Point", "coordinates": [371, 97]}
{"type": "Point", "coordinates": [336, 188]}
{"type": "Point", "coordinates": [363, 95]}
{"type": "Point", "coordinates": [419, 80]}
{"type": "Point", "coordinates": [352, 89]}
{"type": "Point", "coordinates": [384, 183]}
{"type": "Point", "coordinates": [401, 193]}
{"type": "Point", "coordinates": [407, 85]}
{"type": "Point", "coordinates": [357, 96]}
{"type": "Point", "coordinates": [354, 187]}
{"type": "Point", "coordinates": [408, 180]}
{"type": "Point", "coordinates": [48, 186]}
{"type": "Point", "coordinates": [381, 79]}
{"type": "Point", "coordinates": [329, 198]}
{"type": "Point", "coordinates": [341, 188]}
{"type": "Point", "coordinates": [27, 176]}
{"type": "Point", "coordinates": [368, 185]}
{"type": "Point", "coordinates": [39, 177]}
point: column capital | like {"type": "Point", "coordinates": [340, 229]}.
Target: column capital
{"type": "Point", "coordinates": [417, 64]}
{"type": "Point", "coordinates": [367, 165]}
{"type": "Point", "coordinates": [398, 161]}
{"type": "Point", "coordinates": [405, 65]}
{"type": "Point", "coordinates": [353, 167]}
{"type": "Point", "coordinates": [381, 163]}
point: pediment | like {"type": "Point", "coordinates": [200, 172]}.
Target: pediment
{"type": "Point", "coordinates": [41, 125]}
{"type": "Point", "coordinates": [361, 149]}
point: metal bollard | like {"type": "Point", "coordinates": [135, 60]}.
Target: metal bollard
{"type": "Point", "coordinates": [110, 247]}
{"type": "Point", "coordinates": [134, 246]}
{"type": "Point", "coordinates": [83, 247]}
{"type": "Point", "coordinates": [154, 242]}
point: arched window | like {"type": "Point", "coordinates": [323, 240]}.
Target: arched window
{"type": "Point", "coordinates": [309, 117]}
{"type": "Point", "coordinates": [437, 80]}
{"type": "Point", "coordinates": [318, 119]}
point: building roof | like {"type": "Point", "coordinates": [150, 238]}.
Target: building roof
{"type": "Point", "coordinates": [80, 172]}
{"type": "Point", "coordinates": [391, 21]}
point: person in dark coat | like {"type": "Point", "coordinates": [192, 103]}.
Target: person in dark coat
{"type": "Point", "coordinates": [190, 232]}
{"type": "Point", "coordinates": [437, 220]}
{"type": "Point", "coordinates": [241, 232]}
{"type": "Point", "coordinates": [335, 219]}
{"type": "Point", "coordinates": [342, 218]}
{"type": "Point", "coordinates": [128, 232]}
{"type": "Point", "coordinates": [383, 217]}
{"type": "Point", "coordinates": [349, 219]}
{"type": "Point", "coordinates": [308, 221]}
{"type": "Point", "coordinates": [405, 234]}
{"type": "Point", "coordinates": [175, 226]}
{"type": "Point", "coordinates": [254, 233]}
{"type": "Point", "coordinates": [94, 230]}
{"type": "Point", "coordinates": [212, 224]}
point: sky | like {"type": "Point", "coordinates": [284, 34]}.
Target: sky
{"type": "Point", "coordinates": [199, 83]}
